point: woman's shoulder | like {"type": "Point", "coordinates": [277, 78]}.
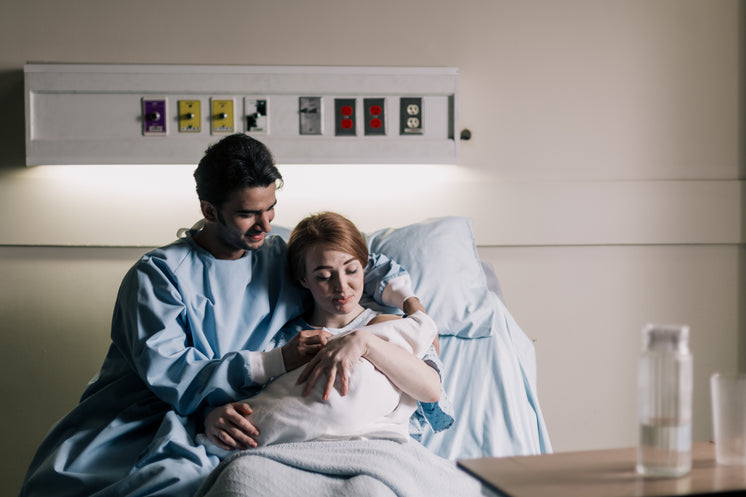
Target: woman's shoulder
{"type": "Point", "coordinates": [380, 318]}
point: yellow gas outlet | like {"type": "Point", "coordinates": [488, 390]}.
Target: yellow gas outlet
{"type": "Point", "coordinates": [222, 116]}
{"type": "Point", "coordinates": [190, 116]}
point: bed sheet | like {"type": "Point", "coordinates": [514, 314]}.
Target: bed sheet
{"type": "Point", "coordinates": [492, 384]}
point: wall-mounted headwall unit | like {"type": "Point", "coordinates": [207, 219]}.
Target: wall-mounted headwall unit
{"type": "Point", "coordinates": [169, 114]}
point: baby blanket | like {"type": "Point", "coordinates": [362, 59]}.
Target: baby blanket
{"type": "Point", "coordinates": [373, 408]}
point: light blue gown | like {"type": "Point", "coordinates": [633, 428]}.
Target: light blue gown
{"type": "Point", "coordinates": [182, 325]}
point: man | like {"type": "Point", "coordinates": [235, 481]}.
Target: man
{"type": "Point", "coordinates": [189, 331]}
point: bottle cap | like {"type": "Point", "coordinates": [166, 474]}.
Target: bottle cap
{"type": "Point", "coordinates": [673, 338]}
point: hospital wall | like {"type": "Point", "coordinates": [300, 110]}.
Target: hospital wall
{"type": "Point", "coordinates": [604, 178]}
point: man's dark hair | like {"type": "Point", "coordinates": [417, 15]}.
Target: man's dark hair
{"type": "Point", "coordinates": [236, 161]}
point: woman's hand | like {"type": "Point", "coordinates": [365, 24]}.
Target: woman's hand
{"type": "Point", "coordinates": [336, 361]}
{"type": "Point", "coordinates": [303, 347]}
{"type": "Point", "coordinates": [229, 428]}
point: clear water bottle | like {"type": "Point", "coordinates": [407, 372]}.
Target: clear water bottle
{"type": "Point", "coordinates": [665, 402]}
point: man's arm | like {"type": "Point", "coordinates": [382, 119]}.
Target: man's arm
{"type": "Point", "coordinates": [387, 282]}
{"type": "Point", "coordinates": [150, 328]}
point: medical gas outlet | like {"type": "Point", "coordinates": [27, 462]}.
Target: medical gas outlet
{"type": "Point", "coordinates": [222, 116]}
{"type": "Point", "coordinates": [190, 116]}
{"type": "Point", "coordinates": [154, 116]}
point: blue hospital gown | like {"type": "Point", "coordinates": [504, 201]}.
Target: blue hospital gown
{"type": "Point", "coordinates": [182, 327]}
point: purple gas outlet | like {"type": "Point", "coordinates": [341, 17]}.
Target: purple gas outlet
{"type": "Point", "coordinates": [154, 116]}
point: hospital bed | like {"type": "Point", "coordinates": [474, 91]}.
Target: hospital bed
{"type": "Point", "coordinates": [490, 364]}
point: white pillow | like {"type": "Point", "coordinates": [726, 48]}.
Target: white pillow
{"type": "Point", "coordinates": [441, 257]}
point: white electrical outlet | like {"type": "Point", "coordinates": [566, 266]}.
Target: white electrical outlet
{"type": "Point", "coordinates": [410, 116]}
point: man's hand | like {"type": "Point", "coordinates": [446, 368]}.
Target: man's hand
{"type": "Point", "coordinates": [303, 347]}
{"type": "Point", "coordinates": [336, 361]}
{"type": "Point", "coordinates": [229, 428]}
{"type": "Point", "coordinates": [412, 305]}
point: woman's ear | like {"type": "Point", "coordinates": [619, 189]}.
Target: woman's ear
{"type": "Point", "coordinates": [208, 211]}
{"type": "Point", "coordinates": [303, 283]}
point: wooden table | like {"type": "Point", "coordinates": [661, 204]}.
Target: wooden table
{"type": "Point", "coordinates": [603, 473]}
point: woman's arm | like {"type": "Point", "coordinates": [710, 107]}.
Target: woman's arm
{"type": "Point", "coordinates": [405, 370]}
{"type": "Point", "coordinates": [411, 305]}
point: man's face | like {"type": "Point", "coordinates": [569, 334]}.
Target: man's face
{"type": "Point", "coordinates": [244, 218]}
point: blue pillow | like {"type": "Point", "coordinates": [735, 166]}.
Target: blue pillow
{"type": "Point", "coordinates": [441, 257]}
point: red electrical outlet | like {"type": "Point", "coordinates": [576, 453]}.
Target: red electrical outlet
{"type": "Point", "coordinates": [375, 117]}
{"type": "Point", "coordinates": [344, 117]}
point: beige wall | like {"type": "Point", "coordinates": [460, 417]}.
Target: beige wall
{"type": "Point", "coordinates": [607, 150]}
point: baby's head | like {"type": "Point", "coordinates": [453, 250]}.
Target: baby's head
{"type": "Point", "coordinates": [329, 230]}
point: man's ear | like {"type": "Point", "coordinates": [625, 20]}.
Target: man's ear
{"type": "Point", "coordinates": [208, 211]}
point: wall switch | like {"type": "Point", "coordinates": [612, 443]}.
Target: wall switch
{"type": "Point", "coordinates": [410, 116]}
{"type": "Point", "coordinates": [255, 115]}
{"type": "Point", "coordinates": [375, 117]}
{"type": "Point", "coordinates": [222, 116]}
{"type": "Point", "coordinates": [190, 116]}
{"type": "Point", "coordinates": [309, 112]}
{"type": "Point", "coordinates": [153, 116]}
{"type": "Point", "coordinates": [344, 117]}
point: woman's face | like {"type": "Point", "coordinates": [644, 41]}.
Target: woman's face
{"type": "Point", "coordinates": [335, 280]}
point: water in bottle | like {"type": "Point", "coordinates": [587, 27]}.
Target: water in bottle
{"type": "Point", "coordinates": [665, 402]}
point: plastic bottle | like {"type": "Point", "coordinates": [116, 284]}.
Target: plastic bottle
{"type": "Point", "coordinates": [665, 402]}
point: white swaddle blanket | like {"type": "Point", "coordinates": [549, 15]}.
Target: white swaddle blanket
{"type": "Point", "coordinates": [373, 408]}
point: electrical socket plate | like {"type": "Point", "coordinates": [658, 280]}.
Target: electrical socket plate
{"type": "Point", "coordinates": [345, 117]}
{"type": "Point", "coordinates": [410, 116]}
{"type": "Point", "coordinates": [309, 111]}
{"type": "Point", "coordinates": [154, 116]}
{"type": "Point", "coordinates": [375, 116]}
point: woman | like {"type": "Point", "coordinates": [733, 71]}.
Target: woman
{"type": "Point", "coordinates": [363, 377]}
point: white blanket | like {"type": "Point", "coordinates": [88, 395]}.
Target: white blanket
{"type": "Point", "coordinates": [373, 408]}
